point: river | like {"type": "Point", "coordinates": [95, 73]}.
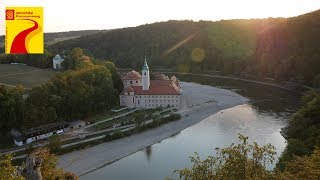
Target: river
{"type": "Point", "coordinates": [261, 119]}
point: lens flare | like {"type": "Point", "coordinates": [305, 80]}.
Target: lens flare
{"type": "Point", "coordinates": [197, 55]}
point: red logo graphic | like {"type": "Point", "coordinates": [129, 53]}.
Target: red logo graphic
{"type": "Point", "coordinates": [19, 42]}
{"type": "Point", "coordinates": [10, 14]}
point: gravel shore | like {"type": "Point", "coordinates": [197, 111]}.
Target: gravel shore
{"type": "Point", "coordinates": [198, 103]}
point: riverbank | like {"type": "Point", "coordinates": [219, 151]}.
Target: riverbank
{"type": "Point", "coordinates": [285, 85]}
{"type": "Point", "coordinates": [198, 103]}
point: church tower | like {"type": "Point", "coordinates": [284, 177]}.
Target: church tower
{"type": "Point", "coordinates": [145, 75]}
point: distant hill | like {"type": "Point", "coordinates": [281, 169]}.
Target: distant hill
{"type": "Point", "coordinates": [52, 38]}
{"type": "Point", "coordinates": [279, 48]}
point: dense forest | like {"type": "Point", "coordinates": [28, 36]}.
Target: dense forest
{"type": "Point", "coordinates": [278, 48]}
{"type": "Point", "coordinates": [303, 133]}
{"type": "Point", "coordinates": [82, 90]}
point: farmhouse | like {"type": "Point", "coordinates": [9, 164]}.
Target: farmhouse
{"type": "Point", "coordinates": [57, 61]}
{"type": "Point", "coordinates": [141, 92]}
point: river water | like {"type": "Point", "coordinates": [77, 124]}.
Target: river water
{"type": "Point", "coordinates": [261, 119]}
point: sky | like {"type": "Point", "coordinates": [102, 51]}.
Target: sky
{"type": "Point", "coordinates": [66, 15]}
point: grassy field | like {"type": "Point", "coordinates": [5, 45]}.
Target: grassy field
{"type": "Point", "coordinates": [15, 74]}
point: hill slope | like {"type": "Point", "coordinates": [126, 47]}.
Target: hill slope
{"type": "Point", "coordinates": [285, 49]}
{"type": "Point", "coordinates": [52, 38]}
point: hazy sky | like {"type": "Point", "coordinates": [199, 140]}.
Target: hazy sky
{"type": "Point", "coordinates": [65, 15]}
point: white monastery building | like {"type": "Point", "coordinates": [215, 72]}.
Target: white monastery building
{"type": "Point", "coordinates": [57, 61]}
{"type": "Point", "coordinates": [141, 92]}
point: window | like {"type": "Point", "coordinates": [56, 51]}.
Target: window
{"type": "Point", "coordinates": [136, 81]}
{"type": "Point", "coordinates": [133, 100]}
{"type": "Point", "coordinates": [138, 101]}
{"type": "Point", "coordinates": [130, 82]}
{"type": "Point", "coordinates": [145, 73]}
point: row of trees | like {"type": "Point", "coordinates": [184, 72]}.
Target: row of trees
{"type": "Point", "coordinates": [37, 60]}
{"type": "Point", "coordinates": [84, 89]}
{"type": "Point", "coordinates": [279, 48]}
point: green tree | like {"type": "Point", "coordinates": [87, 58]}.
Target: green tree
{"type": "Point", "coordinates": [303, 130]}
{"type": "Point", "coordinates": [302, 167]}
{"type": "Point", "coordinates": [117, 81]}
{"type": "Point", "coordinates": [71, 60]}
{"type": "Point", "coordinates": [242, 161]}
{"type": "Point", "coordinates": [49, 169]}
{"type": "Point", "coordinates": [7, 170]}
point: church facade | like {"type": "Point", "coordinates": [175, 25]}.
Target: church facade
{"type": "Point", "coordinates": [141, 92]}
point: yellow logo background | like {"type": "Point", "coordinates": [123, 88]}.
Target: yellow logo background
{"type": "Point", "coordinates": [24, 33]}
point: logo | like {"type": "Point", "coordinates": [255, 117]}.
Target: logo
{"type": "Point", "coordinates": [24, 30]}
{"type": "Point", "coordinates": [9, 14]}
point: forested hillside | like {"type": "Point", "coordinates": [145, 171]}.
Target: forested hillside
{"type": "Point", "coordinates": [303, 133]}
{"type": "Point", "coordinates": [284, 49]}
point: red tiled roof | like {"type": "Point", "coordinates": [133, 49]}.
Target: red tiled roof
{"type": "Point", "coordinates": [160, 76]}
{"type": "Point", "coordinates": [132, 75]}
{"type": "Point", "coordinates": [129, 89]}
{"type": "Point", "coordinates": [158, 87]}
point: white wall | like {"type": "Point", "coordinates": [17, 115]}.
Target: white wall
{"type": "Point", "coordinates": [128, 100]}
{"type": "Point", "coordinates": [18, 143]}
{"type": "Point", "coordinates": [127, 83]}
{"type": "Point", "coordinates": [42, 136]}
{"type": "Point", "coordinates": [145, 79]}
{"type": "Point", "coordinates": [153, 101]}
{"type": "Point", "coordinates": [57, 63]}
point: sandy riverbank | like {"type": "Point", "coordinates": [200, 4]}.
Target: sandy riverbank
{"type": "Point", "coordinates": [198, 103]}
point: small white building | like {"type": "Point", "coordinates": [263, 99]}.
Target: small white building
{"type": "Point", "coordinates": [57, 62]}
{"type": "Point", "coordinates": [141, 92]}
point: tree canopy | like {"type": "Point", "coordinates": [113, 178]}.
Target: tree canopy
{"type": "Point", "coordinates": [73, 94]}
{"type": "Point", "coordinates": [248, 161]}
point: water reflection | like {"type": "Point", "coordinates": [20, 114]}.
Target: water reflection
{"type": "Point", "coordinates": [148, 152]}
